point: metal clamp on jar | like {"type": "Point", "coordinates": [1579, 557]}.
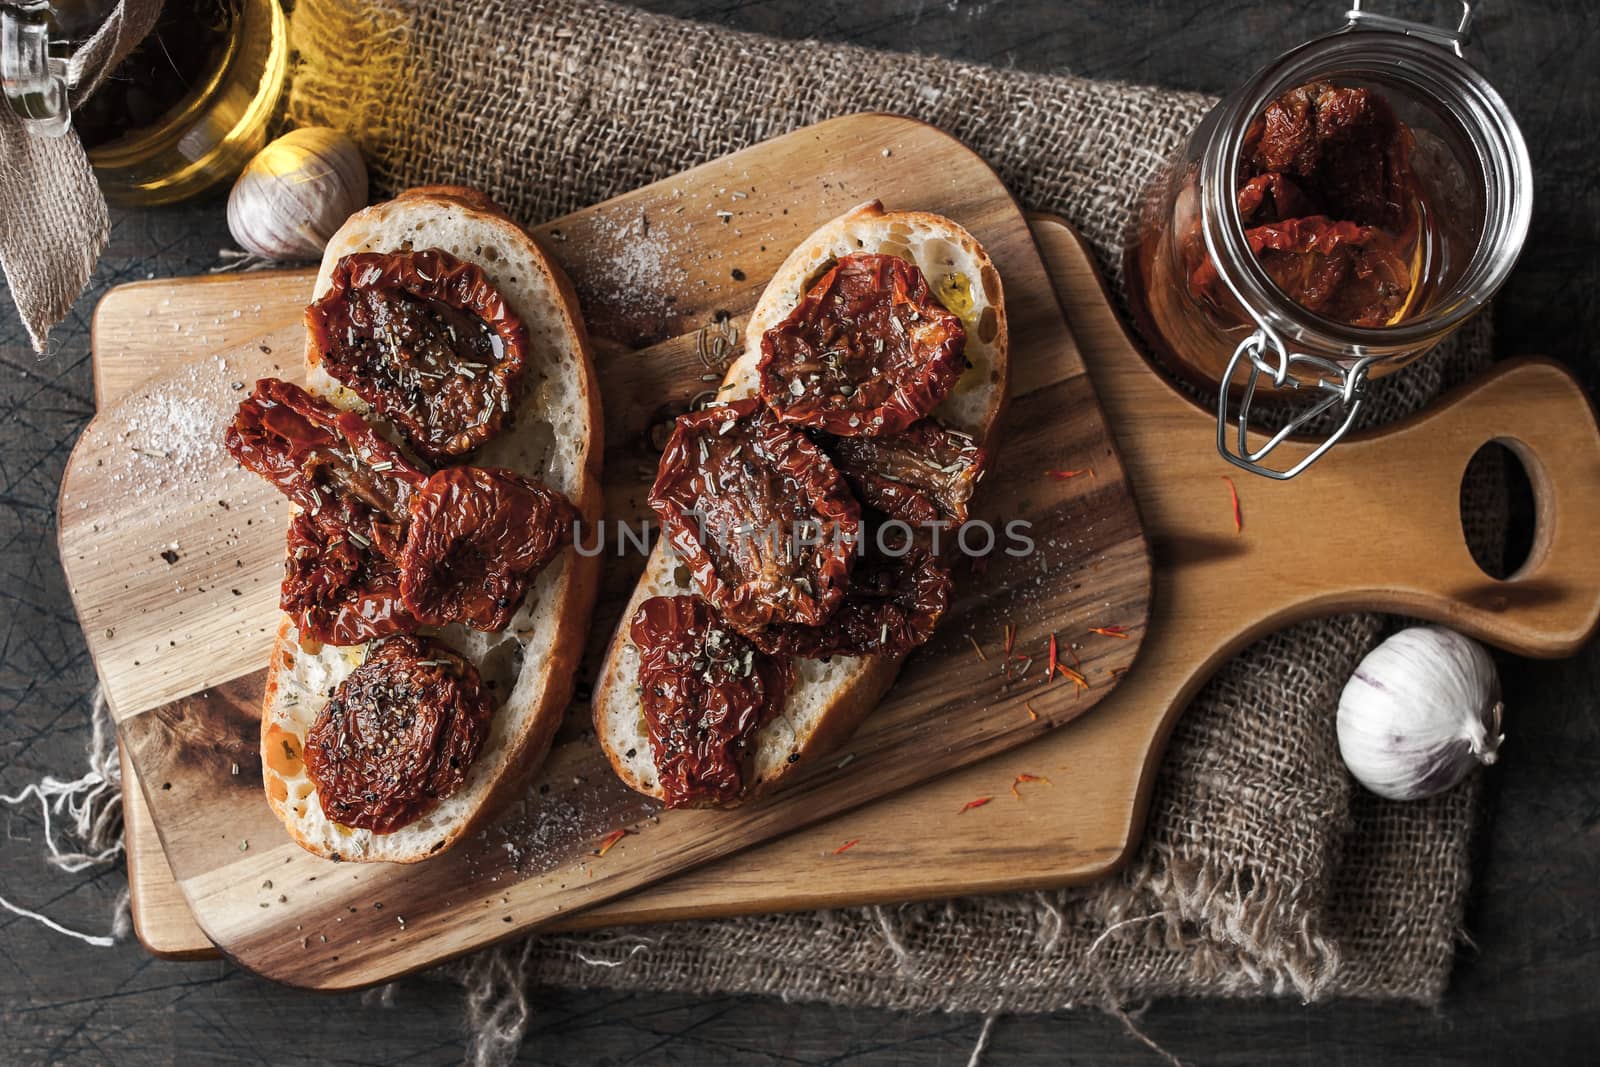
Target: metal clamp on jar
{"type": "Point", "coordinates": [1331, 220]}
{"type": "Point", "coordinates": [33, 82]}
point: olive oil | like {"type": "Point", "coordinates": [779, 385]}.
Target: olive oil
{"type": "Point", "coordinates": [955, 293]}
{"type": "Point", "coordinates": [190, 104]}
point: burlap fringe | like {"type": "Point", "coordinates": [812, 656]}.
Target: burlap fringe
{"type": "Point", "coordinates": [1207, 917]}
{"type": "Point", "coordinates": [93, 806]}
{"type": "Point", "coordinates": [498, 1010]}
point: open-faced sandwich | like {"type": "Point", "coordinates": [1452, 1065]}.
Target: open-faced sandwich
{"type": "Point", "coordinates": [447, 440]}
{"type": "Point", "coordinates": [797, 564]}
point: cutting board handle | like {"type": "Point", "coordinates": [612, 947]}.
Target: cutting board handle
{"type": "Point", "coordinates": [1411, 554]}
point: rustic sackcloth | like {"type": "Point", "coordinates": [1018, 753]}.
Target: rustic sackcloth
{"type": "Point", "coordinates": [53, 218]}
{"type": "Point", "coordinates": [1263, 870]}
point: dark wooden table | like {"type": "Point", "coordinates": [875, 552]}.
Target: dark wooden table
{"type": "Point", "coordinates": [1527, 989]}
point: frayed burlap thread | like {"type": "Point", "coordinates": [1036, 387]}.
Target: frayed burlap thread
{"type": "Point", "coordinates": [91, 805]}
{"type": "Point", "coordinates": [1263, 871]}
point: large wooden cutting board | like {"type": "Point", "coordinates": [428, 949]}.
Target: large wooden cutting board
{"type": "Point", "coordinates": [172, 557]}
{"type": "Point", "coordinates": [1058, 835]}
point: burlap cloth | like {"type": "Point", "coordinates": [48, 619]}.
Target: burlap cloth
{"type": "Point", "coordinates": [1263, 869]}
{"type": "Point", "coordinates": [53, 218]}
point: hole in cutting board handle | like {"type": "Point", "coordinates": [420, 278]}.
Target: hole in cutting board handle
{"type": "Point", "coordinates": [1504, 468]}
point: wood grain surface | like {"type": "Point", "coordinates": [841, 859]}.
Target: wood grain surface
{"type": "Point", "coordinates": [200, 584]}
{"type": "Point", "coordinates": [1522, 990]}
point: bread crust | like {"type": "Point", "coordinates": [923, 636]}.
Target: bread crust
{"type": "Point", "coordinates": [539, 718]}
{"type": "Point", "coordinates": [871, 677]}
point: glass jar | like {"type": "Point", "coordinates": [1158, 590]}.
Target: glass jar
{"type": "Point", "coordinates": [184, 110]}
{"type": "Point", "coordinates": [1240, 333]}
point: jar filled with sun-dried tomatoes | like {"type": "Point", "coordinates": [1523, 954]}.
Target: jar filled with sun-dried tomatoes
{"type": "Point", "coordinates": [1331, 220]}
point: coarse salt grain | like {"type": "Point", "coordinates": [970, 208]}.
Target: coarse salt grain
{"type": "Point", "coordinates": [641, 267]}
{"type": "Point", "coordinates": [175, 431]}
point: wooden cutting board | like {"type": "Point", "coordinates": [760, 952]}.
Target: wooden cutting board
{"type": "Point", "coordinates": [1080, 841]}
{"type": "Point", "coordinates": [1088, 819]}
{"type": "Point", "coordinates": [172, 554]}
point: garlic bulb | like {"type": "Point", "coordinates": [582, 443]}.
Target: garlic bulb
{"type": "Point", "coordinates": [296, 192]}
{"type": "Point", "coordinates": [1421, 711]}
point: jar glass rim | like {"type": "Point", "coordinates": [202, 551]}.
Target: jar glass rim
{"type": "Point", "coordinates": [1457, 90]}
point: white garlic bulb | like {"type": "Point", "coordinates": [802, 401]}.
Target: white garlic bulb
{"type": "Point", "coordinates": [296, 192]}
{"type": "Point", "coordinates": [1421, 711]}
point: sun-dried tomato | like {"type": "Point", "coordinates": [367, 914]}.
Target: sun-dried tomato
{"type": "Point", "coordinates": [478, 536]}
{"type": "Point", "coordinates": [892, 607]}
{"type": "Point", "coordinates": [341, 584]}
{"type": "Point", "coordinates": [1328, 199]}
{"type": "Point", "coordinates": [312, 451]}
{"type": "Point", "coordinates": [338, 591]}
{"type": "Point", "coordinates": [1349, 273]}
{"type": "Point", "coordinates": [1271, 197]}
{"type": "Point", "coordinates": [1342, 271]}
{"type": "Point", "coordinates": [923, 476]}
{"type": "Point", "coordinates": [760, 515]}
{"type": "Point", "coordinates": [705, 692]}
{"type": "Point", "coordinates": [428, 341]}
{"type": "Point", "coordinates": [867, 351]}
{"type": "Point", "coordinates": [1345, 149]}
{"type": "Point", "coordinates": [398, 735]}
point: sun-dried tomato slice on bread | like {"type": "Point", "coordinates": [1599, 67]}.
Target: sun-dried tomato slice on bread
{"type": "Point", "coordinates": [481, 327]}
{"type": "Point", "coordinates": [954, 373]}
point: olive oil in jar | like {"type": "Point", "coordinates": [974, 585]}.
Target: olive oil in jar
{"type": "Point", "coordinates": [190, 105]}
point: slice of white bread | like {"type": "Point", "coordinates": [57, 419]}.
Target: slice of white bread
{"type": "Point", "coordinates": [557, 437]}
{"type": "Point", "coordinates": [830, 698]}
